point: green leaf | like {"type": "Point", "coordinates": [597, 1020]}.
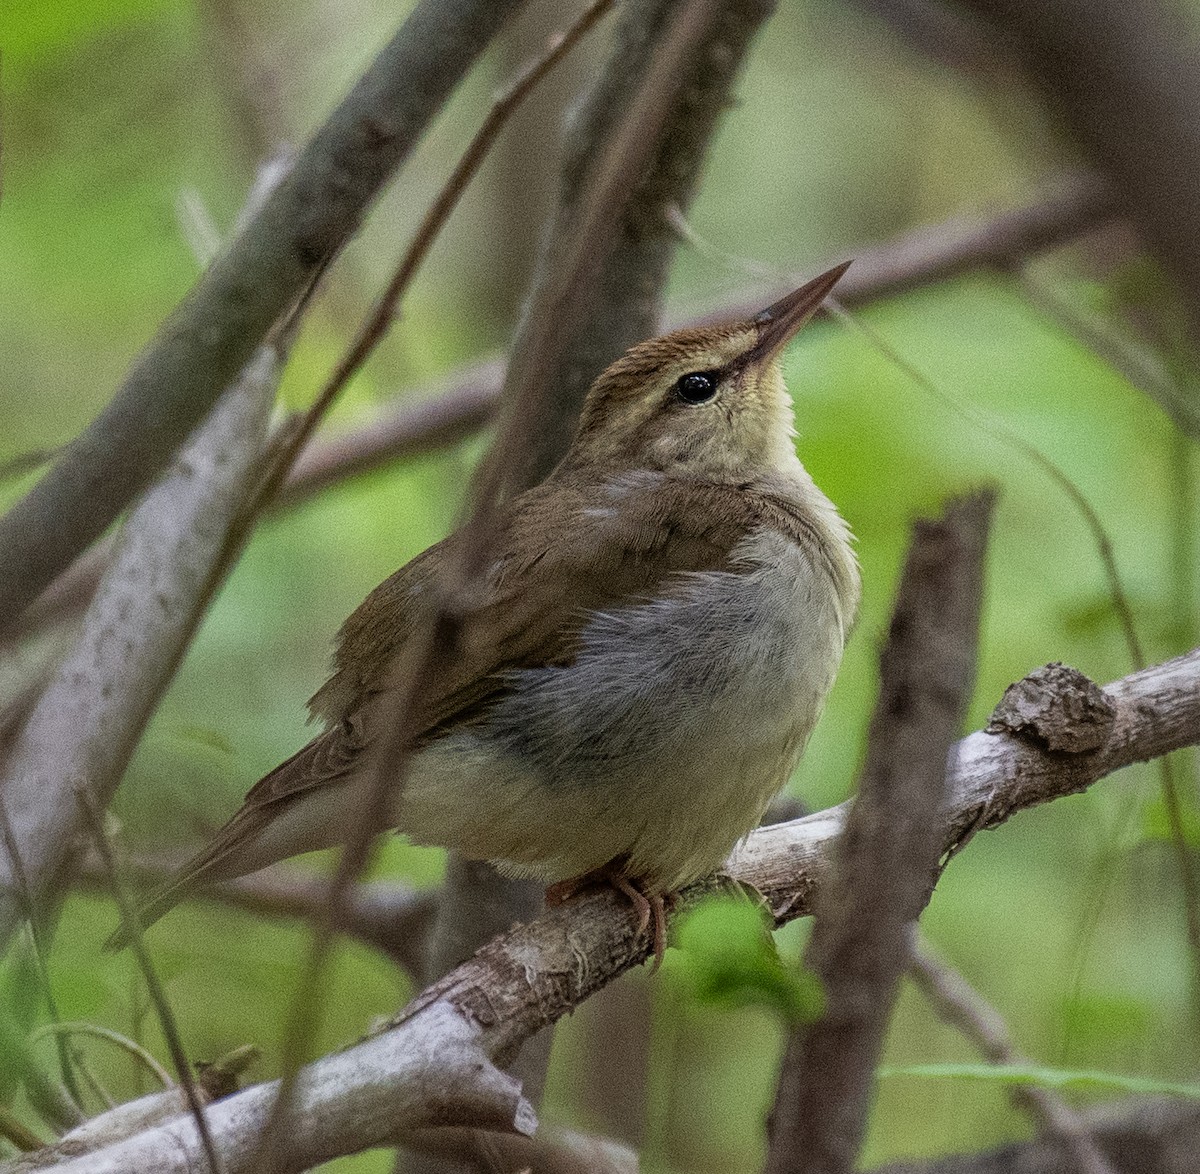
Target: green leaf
{"type": "Point", "coordinates": [729, 959]}
{"type": "Point", "coordinates": [1043, 1077]}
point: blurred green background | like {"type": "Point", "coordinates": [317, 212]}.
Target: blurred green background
{"type": "Point", "coordinates": [117, 114]}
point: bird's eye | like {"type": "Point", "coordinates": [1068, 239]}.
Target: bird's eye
{"type": "Point", "coordinates": [696, 388]}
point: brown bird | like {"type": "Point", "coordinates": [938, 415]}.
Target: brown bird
{"type": "Point", "coordinates": [657, 633]}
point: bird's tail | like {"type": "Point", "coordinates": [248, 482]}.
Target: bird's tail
{"type": "Point", "coordinates": [300, 806]}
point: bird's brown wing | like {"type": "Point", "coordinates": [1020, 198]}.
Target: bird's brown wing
{"type": "Point", "coordinates": [563, 552]}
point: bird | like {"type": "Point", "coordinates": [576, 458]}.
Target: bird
{"type": "Point", "coordinates": [647, 652]}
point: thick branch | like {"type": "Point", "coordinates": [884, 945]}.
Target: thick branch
{"type": "Point", "coordinates": [536, 973]}
{"type": "Point", "coordinates": [200, 349]}
{"type": "Point", "coordinates": [887, 858]}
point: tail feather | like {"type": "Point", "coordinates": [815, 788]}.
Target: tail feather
{"type": "Point", "coordinates": [216, 862]}
{"type": "Point", "coordinates": [300, 806]}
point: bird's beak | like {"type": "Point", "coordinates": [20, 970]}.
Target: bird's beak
{"type": "Point", "coordinates": [777, 324]}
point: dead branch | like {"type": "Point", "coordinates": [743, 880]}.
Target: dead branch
{"type": "Point", "coordinates": [886, 860]}
{"type": "Point", "coordinates": [536, 973]}
{"type": "Point", "coordinates": [204, 344]}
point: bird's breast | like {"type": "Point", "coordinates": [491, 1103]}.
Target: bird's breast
{"type": "Point", "coordinates": [663, 741]}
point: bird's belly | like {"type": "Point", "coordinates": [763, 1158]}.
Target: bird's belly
{"type": "Point", "coordinates": [662, 743]}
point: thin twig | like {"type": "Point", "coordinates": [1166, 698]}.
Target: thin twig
{"type": "Point", "coordinates": [12, 1130]}
{"type": "Point", "coordinates": [385, 915]}
{"type": "Point", "coordinates": [437, 637]}
{"type": "Point", "coordinates": [158, 996]}
{"type": "Point", "coordinates": [33, 922]}
{"type": "Point", "coordinates": [959, 1005]}
{"type": "Point", "coordinates": [135, 1049]}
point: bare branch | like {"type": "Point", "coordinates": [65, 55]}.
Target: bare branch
{"type": "Point", "coordinates": [88, 721]}
{"type": "Point", "coordinates": [886, 860]}
{"type": "Point", "coordinates": [519, 983]}
{"type": "Point", "coordinates": [204, 344]}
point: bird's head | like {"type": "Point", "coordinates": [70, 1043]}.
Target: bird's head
{"type": "Point", "coordinates": [707, 402]}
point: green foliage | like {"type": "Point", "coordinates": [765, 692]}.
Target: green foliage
{"type": "Point", "coordinates": [730, 960]}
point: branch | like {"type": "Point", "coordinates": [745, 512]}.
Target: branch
{"type": "Point", "coordinates": [466, 400]}
{"type": "Point", "coordinates": [536, 973]}
{"type": "Point", "coordinates": [86, 724]}
{"type": "Point", "coordinates": [201, 348]}
{"type": "Point", "coordinates": [886, 860]}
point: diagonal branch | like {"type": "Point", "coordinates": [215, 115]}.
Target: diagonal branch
{"type": "Point", "coordinates": [1068, 733]}
{"type": "Point", "coordinates": [85, 725]}
{"type": "Point", "coordinates": [203, 345]}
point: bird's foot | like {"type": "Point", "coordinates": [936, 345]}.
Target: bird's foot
{"type": "Point", "coordinates": [650, 907]}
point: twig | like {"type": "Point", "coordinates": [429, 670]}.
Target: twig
{"type": "Point", "coordinates": [385, 915]}
{"type": "Point", "coordinates": [958, 1004]}
{"type": "Point", "coordinates": [374, 1092]}
{"type": "Point", "coordinates": [106, 1033]}
{"type": "Point", "coordinates": [885, 862]}
{"type": "Point", "coordinates": [205, 343]}
{"type": "Point", "coordinates": [166, 1017]}
{"type": "Point", "coordinates": [435, 642]}
{"type": "Point", "coordinates": [26, 462]}
{"type": "Point", "coordinates": [11, 1129]}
